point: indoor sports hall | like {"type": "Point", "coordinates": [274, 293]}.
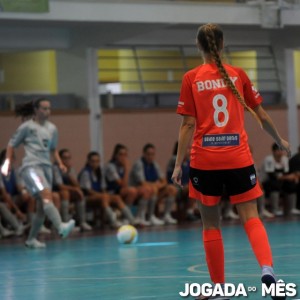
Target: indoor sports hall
{"type": "Point", "coordinates": [112, 71]}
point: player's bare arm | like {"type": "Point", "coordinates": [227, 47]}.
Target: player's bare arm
{"type": "Point", "coordinates": [5, 168]}
{"type": "Point", "coordinates": [56, 157]}
{"type": "Point", "coordinates": [271, 129]}
{"type": "Point", "coordinates": [186, 132]}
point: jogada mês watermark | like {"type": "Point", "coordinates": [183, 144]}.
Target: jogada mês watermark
{"type": "Point", "coordinates": [279, 289]}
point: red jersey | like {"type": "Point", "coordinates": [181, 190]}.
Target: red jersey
{"type": "Point", "coordinates": [220, 140]}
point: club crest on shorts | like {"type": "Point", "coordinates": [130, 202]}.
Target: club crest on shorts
{"type": "Point", "coordinates": [195, 180]}
{"type": "Point", "coordinates": [253, 179]}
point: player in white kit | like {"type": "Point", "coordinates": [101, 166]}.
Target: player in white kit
{"type": "Point", "coordinates": [39, 138]}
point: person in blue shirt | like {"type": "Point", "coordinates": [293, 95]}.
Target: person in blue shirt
{"type": "Point", "coordinates": [117, 180]}
{"type": "Point", "coordinates": [20, 199]}
{"type": "Point", "coordinates": [146, 172]}
{"type": "Point", "coordinates": [69, 190]}
{"type": "Point", "coordinates": [93, 184]}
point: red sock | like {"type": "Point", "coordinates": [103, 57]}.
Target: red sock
{"type": "Point", "coordinates": [214, 250]}
{"type": "Point", "coordinates": [258, 239]}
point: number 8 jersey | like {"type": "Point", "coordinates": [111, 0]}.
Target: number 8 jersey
{"type": "Point", "coordinates": [220, 139]}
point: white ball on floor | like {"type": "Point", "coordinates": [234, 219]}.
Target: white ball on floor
{"type": "Point", "coordinates": [127, 234]}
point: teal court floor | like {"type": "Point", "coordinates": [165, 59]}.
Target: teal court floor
{"type": "Point", "coordinates": [156, 267]}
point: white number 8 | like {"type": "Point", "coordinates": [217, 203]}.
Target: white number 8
{"type": "Point", "coordinates": [220, 109]}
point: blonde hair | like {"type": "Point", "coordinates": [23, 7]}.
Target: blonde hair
{"type": "Point", "coordinates": [210, 39]}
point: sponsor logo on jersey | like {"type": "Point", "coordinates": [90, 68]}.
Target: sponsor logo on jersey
{"type": "Point", "coordinates": [46, 143]}
{"type": "Point", "coordinates": [220, 140]}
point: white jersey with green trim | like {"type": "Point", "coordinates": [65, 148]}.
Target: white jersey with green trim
{"type": "Point", "coordinates": [38, 140]}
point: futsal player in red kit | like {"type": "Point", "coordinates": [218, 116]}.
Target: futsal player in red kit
{"type": "Point", "coordinates": [212, 102]}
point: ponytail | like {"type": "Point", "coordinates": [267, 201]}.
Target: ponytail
{"type": "Point", "coordinates": [26, 109]}
{"type": "Point", "coordinates": [210, 37]}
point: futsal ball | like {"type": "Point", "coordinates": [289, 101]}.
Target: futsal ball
{"type": "Point", "coordinates": [127, 234]}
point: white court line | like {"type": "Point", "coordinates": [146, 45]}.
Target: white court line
{"type": "Point", "coordinates": [248, 259]}
{"type": "Point", "coordinates": [114, 278]}
{"type": "Point", "coordinates": [147, 259]}
{"type": "Point", "coordinates": [191, 269]}
{"type": "Point", "coordinates": [91, 264]}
